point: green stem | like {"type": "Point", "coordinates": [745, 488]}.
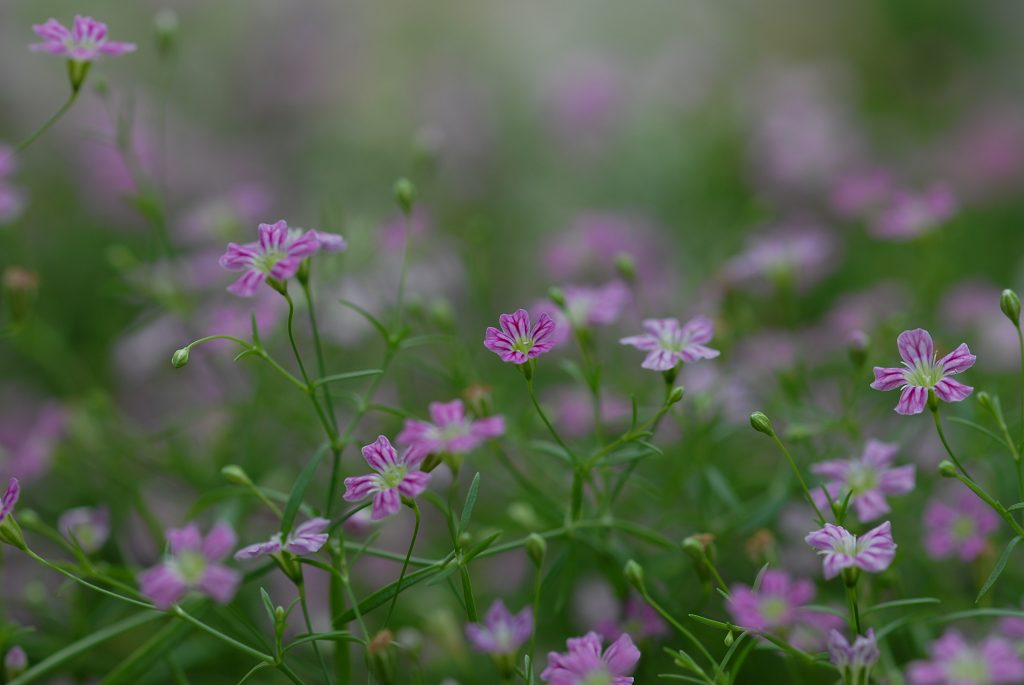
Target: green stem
{"type": "Point", "coordinates": [405, 564]}
{"type": "Point", "coordinates": [227, 639]}
{"type": "Point", "coordinates": [536, 609]}
{"type": "Point", "coordinates": [942, 436]}
{"type": "Point", "coordinates": [318, 346]}
{"type": "Point", "coordinates": [21, 147]}
{"type": "Point", "coordinates": [309, 626]}
{"type": "Point", "coordinates": [799, 477]}
{"type": "Point", "coordinates": [989, 500]}
{"type": "Point", "coordinates": [678, 626]}
{"type": "Point", "coordinates": [547, 422]}
{"type": "Point", "coordinates": [851, 598]}
{"type": "Point", "coordinates": [1020, 345]}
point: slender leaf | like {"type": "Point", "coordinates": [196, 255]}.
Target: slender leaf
{"type": "Point", "coordinates": [368, 316]}
{"type": "Point", "coordinates": [998, 570]}
{"type": "Point", "coordinates": [467, 510]}
{"type": "Point", "coordinates": [299, 490]}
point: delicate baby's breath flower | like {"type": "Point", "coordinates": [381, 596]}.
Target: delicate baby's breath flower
{"type": "Point", "coordinates": [667, 343]}
{"type": "Point", "coordinates": [869, 478]}
{"type": "Point", "coordinates": [88, 526]}
{"type": "Point", "coordinates": [840, 549]}
{"type": "Point", "coordinates": [909, 215]}
{"type": "Point", "coordinates": [775, 605]}
{"type": "Point", "coordinates": [584, 664]}
{"type": "Point", "coordinates": [306, 538]}
{"type": "Point", "coordinates": [517, 342]}
{"type": "Point", "coordinates": [923, 372]}
{"type": "Point", "coordinates": [193, 563]}
{"type": "Point", "coordinates": [396, 477]}
{"type": "Point", "coordinates": [277, 254]}
{"type": "Point", "coordinates": [450, 430]}
{"type": "Point", "coordinates": [956, 662]}
{"type": "Point", "coordinates": [960, 529]}
{"type": "Point", "coordinates": [83, 42]}
{"type": "Point", "coordinates": [856, 660]}
{"type": "Point", "coordinates": [585, 306]}
{"type": "Point", "coordinates": [501, 632]}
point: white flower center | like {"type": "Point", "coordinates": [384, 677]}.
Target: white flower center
{"type": "Point", "coordinates": [191, 565]}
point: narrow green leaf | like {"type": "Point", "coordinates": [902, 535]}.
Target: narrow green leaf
{"type": "Point", "coordinates": [368, 316]}
{"type": "Point", "coordinates": [347, 376]}
{"type": "Point", "coordinates": [998, 570]}
{"type": "Point", "coordinates": [467, 510]}
{"type": "Point", "coordinates": [913, 601]}
{"type": "Point", "coordinates": [299, 490]}
{"type": "Point", "coordinates": [268, 604]}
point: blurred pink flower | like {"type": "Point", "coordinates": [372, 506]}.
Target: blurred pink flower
{"type": "Point", "coordinates": [451, 430]}
{"type": "Point", "coordinates": [585, 306]}
{"type": "Point", "coordinates": [924, 373]}
{"type": "Point", "coordinates": [83, 42]}
{"type": "Point", "coordinates": [307, 538]}
{"type": "Point", "coordinates": [971, 308]}
{"type": "Point", "coordinates": [861, 192]}
{"type": "Point", "coordinates": [88, 526]}
{"type": "Point", "coordinates": [799, 255]}
{"type": "Point", "coordinates": [955, 662]}
{"type": "Point", "coordinates": [960, 529]}
{"type": "Point", "coordinates": [776, 604]}
{"type": "Point", "coordinates": [501, 632]}
{"type": "Point", "coordinates": [870, 478]}
{"type": "Point", "coordinates": [573, 408]}
{"type": "Point", "coordinates": [392, 233]}
{"type": "Point", "coordinates": [909, 215]}
{"type": "Point", "coordinates": [193, 563]}
{"type": "Point", "coordinates": [585, 101]}
{"type": "Point", "coordinates": [638, 619]}
{"type": "Point", "coordinates": [27, 441]}
{"type": "Point", "coordinates": [12, 199]}
{"type": "Point", "coordinates": [584, 663]}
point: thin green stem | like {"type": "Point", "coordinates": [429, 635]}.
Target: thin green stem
{"type": "Point", "coordinates": [851, 598]}
{"type": "Point", "coordinates": [538, 581]}
{"type": "Point", "coordinates": [799, 477]}
{"type": "Point", "coordinates": [547, 422]}
{"type": "Point", "coordinates": [992, 502]}
{"type": "Point", "coordinates": [678, 626]}
{"type": "Point", "coordinates": [318, 346]}
{"type": "Point", "coordinates": [23, 145]}
{"type": "Point", "coordinates": [405, 564]}
{"type": "Point", "coordinates": [942, 436]}
{"type": "Point", "coordinates": [227, 639]}
{"type": "Point", "coordinates": [301, 586]}
{"type": "Point", "coordinates": [1020, 345]}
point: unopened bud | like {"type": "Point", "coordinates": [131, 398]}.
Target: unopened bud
{"type": "Point", "coordinates": [20, 287]}
{"type": "Point", "coordinates": [985, 400]}
{"type": "Point", "coordinates": [464, 540]}
{"type": "Point", "coordinates": [857, 347]}
{"type": "Point", "coordinates": [947, 469]}
{"type": "Point", "coordinates": [557, 295]}
{"type": "Point", "coordinates": [1010, 304]}
{"type": "Point", "coordinates": [381, 658]}
{"type": "Point", "coordinates": [77, 71]}
{"type": "Point", "coordinates": [625, 267]}
{"type": "Point", "coordinates": [536, 548]}
{"type": "Point", "coordinates": [15, 663]}
{"type": "Point", "coordinates": [729, 639]}
{"type": "Point", "coordinates": [165, 23]}
{"type": "Point", "coordinates": [405, 195]}
{"type": "Point", "coordinates": [179, 358]}
{"type": "Point", "coordinates": [676, 395]}
{"type": "Point", "coordinates": [761, 423]}
{"type": "Point", "coordinates": [233, 473]}
{"type": "Point", "coordinates": [634, 574]}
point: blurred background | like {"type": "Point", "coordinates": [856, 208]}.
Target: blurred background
{"type": "Point", "coordinates": [797, 170]}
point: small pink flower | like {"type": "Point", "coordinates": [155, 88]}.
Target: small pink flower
{"type": "Point", "coordinates": [584, 664]}
{"type": "Point", "coordinates": [307, 538]}
{"type": "Point", "coordinates": [501, 631]}
{"type": "Point", "coordinates": [667, 343]}
{"type": "Point", "coordinates": [88, 526]}
{"type": "Point", "coordinates": [775, 605]}
{"type": "Point", "coordinates": [856, 660]}
{"type": "Point", "coordinates": [585, 306]}
{"type": "Point", "coordinates": [955, 662]}
{"type": "Point", "coordinates": [638, 618]}
{"type": "Point", "coordinates": [10, 498]}
{"type": "Point", "coordinates": [924, 372]}
{"type": "Point", "coordinates": [15, 662]}
{"type": "Point", "coordinates": [870, 479]}
{"type": "Point", "coordinates": [841, 549]}
{"type": "Point", "coordinates": [961, 530]}
{"type": "Point", "coordinates": [193, 563]}
{"type": "Point", "coordinates": [396, 476]}
{"type": "Point", "coordinates": [277, 254]}
{"type": "Point", "coordinates": [451, 430]}
{"type": "Point", "coordinates": [910, 215]}
{"type": "Point", "coordinates": [83, 42]}
{"type": "Point", "coordinates": [517, 342]}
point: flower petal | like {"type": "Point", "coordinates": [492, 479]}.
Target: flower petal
{"type": "Point", "coordinates": [950, 390]}
{"type": "Point", "coordinates": [912, 400]}
{"type": "Point", "coordinates": [958, 360]}
{"type": "Point", "coordinates": [916, 346]}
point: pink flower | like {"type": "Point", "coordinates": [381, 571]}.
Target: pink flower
{"type": "Point", "coordinates": [88, 526]}
{"type": "Point", "coordinates": [396, 476]}
{"type": "Point", "coordinates": [15, 663]}
{"type": "Point", "coordinates": [638, 618]}
{"type": "Point", "coordinates": [10, 498]}
{"type": "Point", "coordinates": [667, 343]}
{"type": "Point", "coordinates": [799, 255]}
{"type": "Point", "coordinates": [853, 661]}
{"type": "Point", "coordinates": [910, 215]}
{"type": "Point", "coordinates": [955, 662]}
{"type": "Point", "coordinates": [501, 632]}
{"type": "Point", "coordinates": [586, 306]}
{"type": "Point", "coordinates": [961, 530]}
{"type": "Point", "coordinates": [775, 605]}
{"type": "Point", "coordinates": [12, 200]}
{"type": "Point", "coordinates": [307, 538]}
{"type": "Point", "coordinates": [451, 431]}
{"type": "Point", "coordinates": [516, 342]}
{"type": "Point", "coordinates": [924, 372]}
{"type": "Point", "coordinates": [869, 478]}
{"type": "Point", "coordinates": [84, 42]}
{"type": "Point", "coordinates": [861, 192]}
{"type": "Point", "coordinates": [873, 551]}
{"type": "Point", "coordinates": [584, 664]}
{"type": "Point", "coordinates": [277, 254]}
{"type": "Point", "coordinates": [193, 563]}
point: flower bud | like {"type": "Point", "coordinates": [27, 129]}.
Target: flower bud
{"type": "Point", "coordinates": [536, 548]}
{"type": "Point", "coordinates": [10, 533]}
{"type": "Point", "coordinates": [625, 267]}
{"type": "Point", "coordinates": [180, 358]}
{"type": "Point", "coordinates": [20, 287]}
{"type": "Point", "coordinates": [524, 515]}
{"type": "Point", "coordinates": [165, 24]}
{"type": "Point", "coordinates": [729, 639]}
{"type": "Point", "coordinates": [634, 574]}
{"type": "Point", "coordinates": [405, 195]}
{"type": "Point", "coordinates": [676, 395]}
{"type": "Point", "coordinates": [761, 423]}
{"type": "Point", "coordinates": [947, 469]}
{"type": "Point", "coordinates": [15, 663]}
{"type": "Point", "coordinates": [380, 657]}
{"type": "Point", "coordinates": [857, 347]}
{"type": "Point", "coordinates": [233, 473]}
{"type": "Point", "coordinates": [985, 400]}
{"type": "Point", "coordinates": [1010, 304]}
{"type": "Point", "coordinates": [77, 71]}
{"type": "Point", "coordinates": [557, 295]}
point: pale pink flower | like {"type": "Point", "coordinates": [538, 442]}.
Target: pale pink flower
{"type": "Point", "coordinates": [854, 661]}
{"type": "Point", "coordinates": [193, 563]}
{"type": "Point", "coordinates": [306, 538]}
{"type": "Point", "coordinates": [870, 478]}
{"type": "Point", "coordinates": [501, 631]}
{"type": "Point", "coordinates": [923, 372]}
{"type": "Point", "coordinates": [517, 342]}
{"type": "Point", "coordinates": [449, 431]}
{"type": "Point", "coordinates": [909, 215]}
{"type": "Point", "coordinates": [840, 549]}
{"type": "Point", "coordinates": [956, 662]}
{"type": "Point", "coordinates": [396, 477]}
{"type": "Point", "coordinates": [277, 254]}
{"type": "Point", "coordinates": [960, 529]}
{"type": "Point", "coordinates": [667, 343]}
{"type": "Point", "coordinates": [584, 664]}
{"type": "Point", "coordinates": [83, 42]}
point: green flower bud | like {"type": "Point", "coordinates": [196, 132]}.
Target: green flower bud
{"type": "Point", "coordinates": [15, 663]}
{"type": "Point", "coordinates": [985, 400]}
{"type": "Point", "coordinates": [1010, 304]}
{"type": "Point", "coordinates": [165, 23]}
{"type": "Point", "coordinates": [947, 469]}
{"type": "Point", "coordinates": [233, 473]}
{"type": "Point", "coordinates": [676, 395]}
{"type": "Point", "coordinates": [405, 195]}
{"type": "Point", "coordinates": [77, 71]}
{"type": "Point", "coordinates": [857, 347]}
{"type": "Point", "coordinates": [537, 549]}
{"type": "Point", "coordinates": [10, 533]}
{"type": "Point", "coordinates": [761, 423]}
{"type": "Point", "coordinates": [625, 267]}
{"type": "Point", "coordinates": [634, 574]}
{"type": "Point", "coordinates": [729, 639]}
{"type": "Point", "coordinates": [557, 295]}
{"type": "Point", "coordinates": [180, 358]}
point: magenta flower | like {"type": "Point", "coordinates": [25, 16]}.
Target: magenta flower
{"type": "Point", "coordinates": [667, 343]}
{"type": "Point", "coordinates": [517, 342]}
{"type": "Point", "coordinates": [451, 430]}
{"type": "Point", "coordinates": [193, 563]}
{"type": "Point", "coordinates": [776, 605]}
{"type": "Point", "coordinates": [924, 372]}
{"type": "Point", "coordinates": [869, 478]}
{"type": "Point", "coordinates": [856, 660]}
{"type": "Point", "coordinates": [961, 530]}
{"type": "Point", "coordinates": [277, 254]}
{"type": "Point", "coordinates": [88, 526]}
{"type": "Point", "coordinates": [396, 476]}
{"type": "Point", "coordinates": [306, 538]}
{"type": "Point", "coordinates": [83, 42]}
{"type": "Point", "coordinates": [910, 215]}
{"type": "Point", "coordinates": [10, 498]}
{"type": "Point", "coordinates": [955, 662]}
{"type": "Point", "coordinates": [15, 663]}
{"type": "Point", "coordinates": [873, 551]}
{"type": "Point", "coordinates": [501, 631]}
{"type": "Point", "coordinates": [584, 664]}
